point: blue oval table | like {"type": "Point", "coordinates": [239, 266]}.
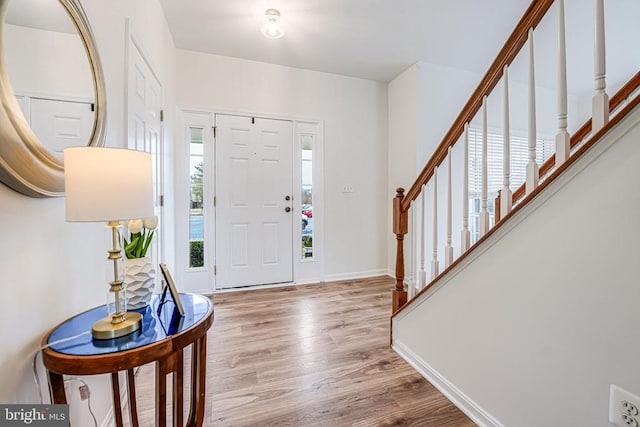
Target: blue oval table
{"type": "Point", "coordinates": [162, 339]}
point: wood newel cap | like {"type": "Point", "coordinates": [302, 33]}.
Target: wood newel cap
{"type": "Point", "coordinates": [400, 192]}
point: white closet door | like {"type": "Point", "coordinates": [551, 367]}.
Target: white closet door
{"type": "Point", "coordinates": [60, 124]}
{"type": "Point", "coordinates": [144, 103]}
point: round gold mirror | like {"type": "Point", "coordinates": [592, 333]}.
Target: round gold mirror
{"type": "Point", "coordinates": [51, 91]}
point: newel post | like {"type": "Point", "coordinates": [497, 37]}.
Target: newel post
{"type": "Point", "coordinates": [400, 228]}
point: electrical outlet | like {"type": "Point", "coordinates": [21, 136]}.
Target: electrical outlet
{"type": "Point", "coordinates": [347, 188]}
{"type": "Point", "coordinates": [84, 392]}
{"type": "Point", "coordinates": [628, 420]}
{"type": "Point", "coordinates": [624, 408]}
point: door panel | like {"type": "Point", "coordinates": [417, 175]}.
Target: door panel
{"type": "Point", "coordinates": [61, 124]}
{"type": "Point", "coordinates": [254, 175]}
{"type": "Point", "coordinates": [144, 104]}
{"type": "Point", "coordinates": [270, 250]}
{"type": "Point", "coordinates": [240, 244]}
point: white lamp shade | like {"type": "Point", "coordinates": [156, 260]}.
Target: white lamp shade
{"type": "Point", "coordinates": [107, 184]}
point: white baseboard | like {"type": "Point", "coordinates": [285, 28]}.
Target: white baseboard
{"type": "Point", "coordinates": [356, 275]}
{"type": "Point", "coordinates": [451, 392]}
{"type": "Point", "coordinates": [253, 287]}
{"type": "Point", "coordinates": [310, 281]}
{"type": "Point", "coordinates": [328, 278]}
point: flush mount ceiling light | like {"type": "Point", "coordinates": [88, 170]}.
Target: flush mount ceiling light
{"type": "Point", "coordinates": [271, 29]}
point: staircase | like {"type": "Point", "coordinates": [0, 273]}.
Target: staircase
{"type": "Point", "coordinates": [529, 315]}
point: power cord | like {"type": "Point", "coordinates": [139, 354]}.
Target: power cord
{"type": "Point", "coordinates": [35, 358]}
{"type": "Point", "coordinates": [36, 377]}
{"type": "Point", "coordinates": [95, 421]}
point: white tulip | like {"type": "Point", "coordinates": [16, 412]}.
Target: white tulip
{"type": "Point", "coordinates": [150, 223]}
{"type": "Point", "coordinates": [134, 226]}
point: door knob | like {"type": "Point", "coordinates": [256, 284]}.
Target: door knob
{"type": "Point", "coordinates": [287, 209]}
{"type": "Point", "coordinates": [287, 198]}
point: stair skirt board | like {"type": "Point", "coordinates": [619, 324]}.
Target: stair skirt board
{"type": "Point", "coordinates": [458, 398]}
{"type": "Point", "coordinates": [464, 403]}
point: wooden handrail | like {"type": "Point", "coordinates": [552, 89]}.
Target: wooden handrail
{"type": "Point", "coordinates": [616, 100]}
{"type": "Point", "coordinates": [531, 18]}
{"type": "Point", "coordinates": [552, 177]}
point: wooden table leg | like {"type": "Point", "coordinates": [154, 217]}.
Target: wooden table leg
{"type": "Point", "coordinates": [161, 394]}
{"type": "Point", "coordinates": [202, 380]}
{"type": "Point", "coordinates": [131, 390]}
{"type": "Point", "coordinates": [193, 406]}
{"type": "Point", "coordinates": [178, 404]}
{"type": "Point", "coordinates": [117, 406]}
{"type": "Point", "coordinates": [56, 387]}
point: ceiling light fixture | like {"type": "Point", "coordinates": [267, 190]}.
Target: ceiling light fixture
{"type": "Point", "coordinates": [271, 29]}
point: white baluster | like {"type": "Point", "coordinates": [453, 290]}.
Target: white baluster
{"type": "Point", "coordinates": [506, 195]}
{"type": "Point", "coordinates": [600, 101]}
{"type": "Point", "coordinates": [484, 213]}
{"type": "Point", "coordinates": [448, 250]}
{"type": "Point", "coordinates": [562, 138]}
{"type": "Point", "coordinates": [410, 276]}
{"type": "Point", "coordinates": [465, 238]}
{"type": "Point", "coordinates": [434, 261]}
{"type": "Point", "coordinates": [532, 167]}
{"type": "Point", "coordinates": [422, 275]}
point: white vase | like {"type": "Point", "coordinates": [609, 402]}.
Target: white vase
{"type": "Point", "coordinates": [139, 281]}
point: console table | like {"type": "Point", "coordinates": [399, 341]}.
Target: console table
{"type": "Point", "coordinates": [162, 339]}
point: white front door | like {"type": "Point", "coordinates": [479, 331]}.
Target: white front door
{"type": "Point", "coordinates": [254, 215]}
{"type": "Point", "coordinates": [144, 103]}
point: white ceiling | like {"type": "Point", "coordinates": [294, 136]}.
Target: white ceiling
{"type": "Point", "coordinates": [41, 14]}
{"type": "Point", "coordinates": [372, 39]}
{"type": "Point", "coordinates": [378, 39]}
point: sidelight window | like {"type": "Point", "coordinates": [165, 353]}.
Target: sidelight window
{"type": "Point", "coordinates": [196, 197]}
{"type": "Point", "coordinates": [306, 203]}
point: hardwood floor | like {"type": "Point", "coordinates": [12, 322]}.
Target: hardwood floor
{"type": "Point", "coordinates": [315, 355]}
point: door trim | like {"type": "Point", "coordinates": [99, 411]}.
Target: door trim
{"type": "Point", "coordinates": [132, 42]}
{"type": "Point", "coordinates": [304, 271]}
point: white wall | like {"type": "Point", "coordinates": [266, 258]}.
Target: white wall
{"type": "Point", "coordinates": [55, 64]}
{"type": "Point", "coordinates": [401, 149]}
{"type": "Point", "coordinates": [423, 103]}
{"type": "Point", "coordinates": [534, 327]}
{"type": "Point", "coordinates": [442, 92]}
{"type": "Point", "coordinates": [51, 269]}
{"type": "Point", "coordinates": [355, 132]}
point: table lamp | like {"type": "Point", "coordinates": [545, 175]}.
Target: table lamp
{"type": "Point", "coordinates": [110, 185]}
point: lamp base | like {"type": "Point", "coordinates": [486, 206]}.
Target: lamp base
{"type": "Point", "coordinates": [103, 329]}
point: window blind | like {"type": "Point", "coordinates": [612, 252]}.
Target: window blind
{"type": "Point", "coordinates": [545, 147]}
